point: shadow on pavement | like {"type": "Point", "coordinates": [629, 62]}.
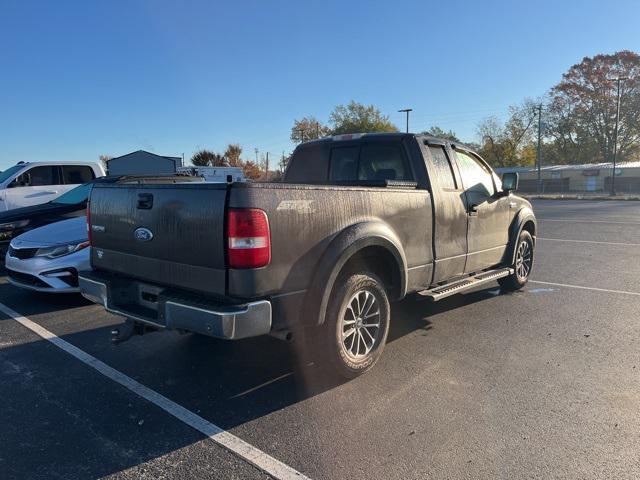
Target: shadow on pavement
{"type": "Point", "coordinates": [228, 383]}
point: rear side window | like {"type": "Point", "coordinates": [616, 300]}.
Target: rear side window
{"type": "Point", "coordinates": [344, 164]}
{"type": "Point", "coordinates": [75, 174]}
{"type": "Point", "coordinates": [383, 162]}
{"type": "Point", "coordinates": [42, 176]}
{"type": "Point", "coordinates": [442, 164]}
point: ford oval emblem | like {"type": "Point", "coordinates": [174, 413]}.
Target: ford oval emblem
{"type": "Point", "coordinates": [143, 234]}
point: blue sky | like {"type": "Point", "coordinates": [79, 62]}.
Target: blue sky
{"type": "Point", "coordinates": [84, 78]}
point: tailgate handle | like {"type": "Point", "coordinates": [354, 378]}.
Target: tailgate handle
{"type": "Point", "coordinates": [145, 200]}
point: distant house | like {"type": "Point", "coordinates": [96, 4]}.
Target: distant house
{"type": "Point", "coordinates": [142, 163]}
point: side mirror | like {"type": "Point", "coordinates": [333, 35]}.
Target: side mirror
{"type": "Point", "coordinates": [510, 181]}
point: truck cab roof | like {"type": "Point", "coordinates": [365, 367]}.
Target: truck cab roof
{"type": "Point", "coordinates": [385, 136]}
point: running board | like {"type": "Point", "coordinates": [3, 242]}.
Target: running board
{"type": "Point", "coordinates": [459, 286]}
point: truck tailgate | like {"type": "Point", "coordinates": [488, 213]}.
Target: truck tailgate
{"type": "Point", "coordinates": [168, 234]}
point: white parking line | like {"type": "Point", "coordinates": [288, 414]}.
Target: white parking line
{"type": "Point", "coordinates": [588, 241]}
{"type": "Point", "coordinates": [574, 220]}
{"type": "Point", "coordinates": [239, 447]}
{"type": "Point", "coordinates": [624, 292]}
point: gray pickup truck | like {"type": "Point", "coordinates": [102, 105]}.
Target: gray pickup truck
{"type": "Point", "coordinates": [358, 221]}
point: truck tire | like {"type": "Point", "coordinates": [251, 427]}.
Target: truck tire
{"type": "Point", "coordinates": [356, 326]}
{"type": "Point", "coordinates": [522, 264]}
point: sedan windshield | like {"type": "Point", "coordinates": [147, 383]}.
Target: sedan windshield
{"type": "Point", "coordinates": [77, 195]}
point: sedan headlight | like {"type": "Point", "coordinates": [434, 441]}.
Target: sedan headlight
{"type": "Point", "coordinates": [61, 250]}
{"type": "Point", "coordinates": [7, 227]}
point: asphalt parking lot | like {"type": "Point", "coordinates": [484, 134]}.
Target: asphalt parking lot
{"type": "Point", "coordinates": [543, 383]}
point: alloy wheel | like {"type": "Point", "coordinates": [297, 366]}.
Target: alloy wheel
{"type": "Point", "coordinates": [360, 326]}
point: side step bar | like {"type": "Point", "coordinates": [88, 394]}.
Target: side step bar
{"type": "Point", "coordinates": [459, 286]}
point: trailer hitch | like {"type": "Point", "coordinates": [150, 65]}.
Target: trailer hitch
{"type": "Point", "coordinates": [128, 329]}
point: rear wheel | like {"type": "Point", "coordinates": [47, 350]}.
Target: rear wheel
{"type": "Point", "coordinates": [522, 265]}
{"type": "Point", "coordinates": [356, 326]}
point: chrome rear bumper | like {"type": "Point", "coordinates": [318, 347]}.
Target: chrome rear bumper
{"type": "Point", "coordinates": [168, 312]}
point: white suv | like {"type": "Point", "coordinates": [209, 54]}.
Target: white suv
{"type": "Point", "coordinates": [33, 183]}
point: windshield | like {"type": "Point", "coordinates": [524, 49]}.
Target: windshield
{"type": "Point", "coordinates": [77, 195]}
{"type": "Point", "coordinates": [9, 172]}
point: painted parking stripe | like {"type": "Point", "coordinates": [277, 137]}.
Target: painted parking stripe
{"type": "Point", "coordinates": [574, 220]}
{"type": "Point", "coordinates": [239, 447]}
{"type": "Point", "coordinates": [623, 292]}
{"type": "Point", "coordinates": [588, 241]}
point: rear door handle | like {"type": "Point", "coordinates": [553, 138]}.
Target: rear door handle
{"type": "Point", "coordinates": [473, 210]}
{"type": "Point", "coordinates": [145, 201]}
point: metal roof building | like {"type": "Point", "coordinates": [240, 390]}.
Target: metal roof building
{"type": "Point", "coordinates": [588, 177]}
{"type": "Point", "coordinates": [142, 163]}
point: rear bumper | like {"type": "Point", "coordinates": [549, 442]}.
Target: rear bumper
{"type": "Point", "coordinates": [159, 308]}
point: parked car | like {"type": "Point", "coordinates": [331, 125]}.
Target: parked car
{"type": "Point", "coordinates": [359, 221]}
{"type": "Point", "coordinates": [34, 183]}
{"type": "Point", "coordinates": [47, 259]}
{"type": "Point", "coordinates": [68, 205]}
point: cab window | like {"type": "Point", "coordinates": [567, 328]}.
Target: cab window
{"type": "Point", "coordinates": [75, 174]}
{"type": "Point", "coordinates": [380, 161]}
{"type": "Point", "coordinates": [38, 177]}
{"type": "Point", "coordinates": [476, 177]}
{"type": "Point", "coordinates": [344, 164]}
{"type": "Point", "coordinates": [370, 162]}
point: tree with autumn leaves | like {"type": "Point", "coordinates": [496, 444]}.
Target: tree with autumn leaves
{"type": "Point", "coordinates": [578, 117]}
{"type": "Point", "coordinates": [232, 157]}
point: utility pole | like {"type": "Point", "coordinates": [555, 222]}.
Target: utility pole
{"type": "Point", "coordinates": [301, 130]}
{"type": "Point", "coordinates": [256, 150]}
{"type": "Point", "coordinates": [539, 149]}
{"type": "Point", "coordinates": [615, 135]}
{"type": "Point", "coordinates": [266, 168]}
{"type": "Point", "coordinates": [406, 110]}
{"type": "Point", "coordinates": [317, 130]}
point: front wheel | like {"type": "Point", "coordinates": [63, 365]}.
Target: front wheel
{"type": "Point", "coordinates": [356, 326]}
{"type": "Point", "coordinates": [522, 264]}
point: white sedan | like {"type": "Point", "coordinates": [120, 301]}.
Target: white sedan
{"type": "Point", "coordinates": [47, 259]}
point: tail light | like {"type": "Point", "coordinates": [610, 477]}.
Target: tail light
{"type": "Point", "coordinates": [89, 222]}
{"type": "Point", "coordinates": [249, 238]}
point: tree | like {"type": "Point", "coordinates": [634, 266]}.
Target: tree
{"type": "Point", "coordinates": [359, 118]}
{"type": "Point", "coordinates": [283, 162]}
{"type": "Point", "coordinates": [233, 154]}
{"type": "Point", "coordinates": [493, 141]}
{"type": "Point", "coordinates": [308, 128]}
{"type": "Point", "coordinates": [437, 132]}
{"type": "Point", "coordinates": [509, 143]}
{"type": "Point", "coordinates": [582, 110]}
{"type": "Point", "coordinates": [219, 161]}
{"type": "Point", "coordinates": [251, 170]}
{"type": "Point", "coordinates": [202, 158]}
{"type": "Point", "coordinates": [207, 158]}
